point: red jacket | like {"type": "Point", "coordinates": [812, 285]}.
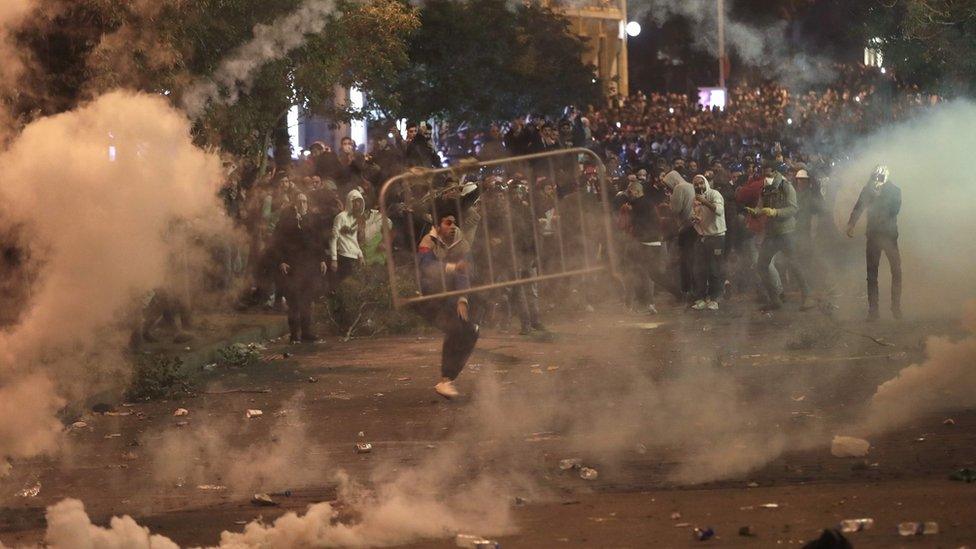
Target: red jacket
{"type": "Point", "coordinates": [748, 196]}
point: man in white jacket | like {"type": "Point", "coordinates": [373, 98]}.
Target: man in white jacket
{"type": "Point", "coordinates": [348, 227]}
{"type": "Point", "coordinates": [709, 223]}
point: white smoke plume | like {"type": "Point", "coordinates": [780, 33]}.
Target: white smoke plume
{"type": "Point", "coordinates": [94, 190]}
{"type": "Point", "coordinates": [759, 46]}
{"type": "Point", "coordinates": [207, 455]}
{"type": "Point", "coordinates": [942, 383]}
{"type": "Point", "coordinates": [12, 14]}
{"type": "Point", "coordinates": [929, 158]}
{"type": "Point", "coordinates": [270, 42]}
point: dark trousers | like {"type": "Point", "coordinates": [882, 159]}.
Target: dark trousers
{"type": "Point", "coordinates": [646, 272]}
{"type": "Point", "coordinates": [299, 289]}
{"type": "Point", "coordinates": [686, 259]}
{"type": "Point", "coordinates": [709, 253]}
{"type": "Point", "coordinates": [527, 299]}
{"type": "Point", "coordinates": [772, 245]}
{"type": "Point", "coordinates": [888, 245]}
{"type": "Point", "coordinates": [346, 268]}
{"type": "Point", "coordinates": [460, 336]}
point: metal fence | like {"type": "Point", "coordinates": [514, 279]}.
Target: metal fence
{"type": "Point", "coordinates": [563, 196]}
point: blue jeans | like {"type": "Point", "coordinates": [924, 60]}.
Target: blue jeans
{"type": "Point", "coordinates": [772, 245]}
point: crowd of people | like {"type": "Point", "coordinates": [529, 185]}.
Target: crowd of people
{"type": "Point", "coordinates": [704, 202]}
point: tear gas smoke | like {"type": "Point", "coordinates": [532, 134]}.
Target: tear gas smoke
{"type": "Point", "coordinates": [942, 383]}
{"type": "Point", "coordinates": [929, 159]}
{"type": "Point", "coordinates": [12, 13]}
{"type": "Point", "coordinates": [765, 47]}
{"type": "Point", "coordinates": [207, 455]}
{"type": "Point", "coordinates": [270, 42]}
{"type": "Point", "coordinates": [94, 191]}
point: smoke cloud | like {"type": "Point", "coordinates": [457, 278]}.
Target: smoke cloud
{"type": "Point", "coordinates": [760, 46]}
{"type": "Point", "coordinates": [929, 159]}
{"type": "Point", "coordinates": [207, 455]}
{"type": "Point", "coordinates": [93, 191]}
{"type": "Point", "coordinates": [270, 42]}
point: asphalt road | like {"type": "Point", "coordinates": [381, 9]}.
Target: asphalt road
{"type": "Point", "coordinates": [690, 419]}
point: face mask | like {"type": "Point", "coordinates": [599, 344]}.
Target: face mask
{"type": "Point", "coordinates": [769, 181]}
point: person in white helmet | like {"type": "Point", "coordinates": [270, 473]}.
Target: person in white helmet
{"type": "Point", "coordinates": [882, 200]}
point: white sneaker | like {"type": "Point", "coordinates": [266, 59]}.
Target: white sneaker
{"type": "Point", "coordinates": [446, 389]}
{"type": "Point", "coordinates": [699, 305]}
{"type": "Point", "coordinates": [712, 305]}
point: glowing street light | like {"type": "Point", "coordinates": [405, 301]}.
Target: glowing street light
{"type": "Point", "coordinates": [633, 29]}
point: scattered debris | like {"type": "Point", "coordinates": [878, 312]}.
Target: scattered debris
{"type": "Point", "coordinates": [964, 475]}
{"type": "Point", "coordinates": [487, 544]}
{"type": "Point", "coordinates": [253, 413]}
{"type": "Point", "coordinates": [79, 425]}
{"type": "Point", "coordinates": [312, 379]}
{"type": "Point", "coordinates": [949, 421]}
{"type": "Point", "coordinates": [856, 525]}
{"type": "Point", "coordinates": [30, 491]}
{"type": "Point", "coordinates": [403, 379]}
{"type": "Point", "coordinates": [769, 506]}
{"type": "Point", "coordinates": [113, 435]}
{"type": "Point", "coordinates": [181, 412]}
{"type": "Point", "coordinates": [263, 500]}
{"type": "Point", "coordinates": [702, 534]}
{"type": "Point", "coordinates": [468, 540]}
{"type": "Point", "coordinates": [284, 494]}
{"type": "Point", "coordinates": [130, 456]}
{"type": "Point", "coordinates": [641, 449]}
{"type": "Point", "coordinates": [215, 487]}
{"type": "Point", "coordinates": [571, 463]}
{"type": "Point", "coordinates": [675, 515]}
{"type": "Point", "coordinates": [798, 398]}
{"type": "Point", "coordinates": [587, 473]}
{"type": "Point", "coordinates": [363, 447]}
{"type": "Point", "coordinates": [747, 531]}
{"type": "Point", "coordinates": [118, 414]}
{"type": "Point", "coordinates": [918, 528]}
{"type": "Point", "coordinates": [285, 355]}
{"type": "Point", "coordinates": [843, 446]}
{"type": "Point", "coordinates": [753, 484]}
{"type": "Point", "coordinates": [682, 525]}
{"type": "Point", "coordinates": [520, 501]}
{"type": "Point", "coordinates": [182, 423]}
{"type": "Point", "coordinates": [210, 367]}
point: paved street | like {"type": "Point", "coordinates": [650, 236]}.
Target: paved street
{"type": "Point", "coordinates": [709, 425]}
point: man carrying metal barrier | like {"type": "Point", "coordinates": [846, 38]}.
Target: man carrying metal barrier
{"type": "Point", "coordinates": [443, 207]}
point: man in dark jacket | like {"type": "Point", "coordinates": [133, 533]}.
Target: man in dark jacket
{"type": "Point", "coordinates": [779, 206]}
{"type": "Point", "coordinates": [882, 200]}
{"type": "Point", "coordinates": [445, 265]}
{"type": "Point", "coordinates": [300, 255]}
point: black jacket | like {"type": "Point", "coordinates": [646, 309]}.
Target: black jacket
{"type": "Point", "coordinates": [882, 205]}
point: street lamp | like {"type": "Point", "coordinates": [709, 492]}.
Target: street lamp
{"type": "Point", "coordinates": [633, 29]}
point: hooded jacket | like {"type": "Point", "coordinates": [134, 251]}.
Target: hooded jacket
{"type": "Point", "coordinates": [710, 223]}
{"type": "Point", "coordinates": [345, 230]}
{"type": "Point", "coordinates": [780, 196]}
{"type": "Point", "coordinates": [439, 263]}
{"type": "Point", "coordinates": [682, 199]}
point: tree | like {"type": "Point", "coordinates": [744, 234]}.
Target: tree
{"type": "Point", "coordinates": [931, 43]}
{"type": "Point", "coordinates": [166, 46]}
{"type": "Point", "coordinates": [482, 60]}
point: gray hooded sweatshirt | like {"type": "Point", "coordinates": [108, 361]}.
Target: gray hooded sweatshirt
{"type": "Point", "coordinates": [682, 198]}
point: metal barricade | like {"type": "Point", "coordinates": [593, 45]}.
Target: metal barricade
{"type": "Point", "coordinates": [568, 210]}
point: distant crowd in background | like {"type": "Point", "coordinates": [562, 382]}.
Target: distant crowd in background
{"type": "Point", "coordinates": [705, 202]}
